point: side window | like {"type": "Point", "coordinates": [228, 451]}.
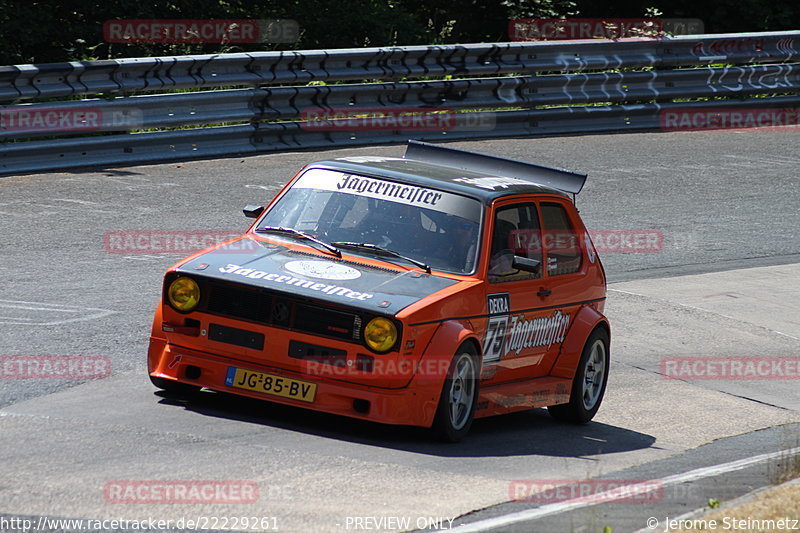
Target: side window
{"type": "Point", "coordinates": [516, 232]}
{"type": "Point", "coordinates": [560, 241]}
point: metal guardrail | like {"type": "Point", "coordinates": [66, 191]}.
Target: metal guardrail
{"type": "Point", "coordinates": [626, 85]}
{"type": "Point", "coordinates": [243, 105]}
{"type": "Point", "coordinates": [57, 80]}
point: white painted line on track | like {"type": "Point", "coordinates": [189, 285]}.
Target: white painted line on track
{"type": "Point", "coordinates": [619, 493]}
{"type": "Point", "coordinates": [85, 313]}
{"type": "Point", "coordinates": [700, 309]}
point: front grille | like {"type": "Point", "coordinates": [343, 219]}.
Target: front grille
{"type": "Point", "coordinates": [275, 309]}
{"type": "Point", "coordinates": [232, 301]}
{"type": "Point", "coordinates": [326, 321]}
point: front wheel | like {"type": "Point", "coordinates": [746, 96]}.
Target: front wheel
{"type": "Point", "coordinates": [459, 397]}
{"type": "Point", "coordinates": [589, 384]}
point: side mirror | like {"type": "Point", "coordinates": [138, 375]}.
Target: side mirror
{"type": "Point", "coordinates": [526, 264]}
{"type": "Point", "coordinates": [253, 211]}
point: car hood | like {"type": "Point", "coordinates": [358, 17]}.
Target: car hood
{"type": "Point", "coordinates": [257, 263]}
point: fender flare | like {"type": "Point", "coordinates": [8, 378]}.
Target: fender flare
{"type": "Point", "coordinates": [586, 320]}
{"type": "Point", "coordinates": [435, 362]}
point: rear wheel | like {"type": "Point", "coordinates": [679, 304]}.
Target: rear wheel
{"type": "Point", "coordinates": [589, 384]}
{"type": "Point", "coordinates": [174, 387]}
{"type": "Point", "coordinates": [459, 397]}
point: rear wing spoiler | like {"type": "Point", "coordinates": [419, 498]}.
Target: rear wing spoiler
{"type": "Point", "coordinates": [557, 178]}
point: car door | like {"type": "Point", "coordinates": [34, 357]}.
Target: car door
{"type": "Point", "coordinates": [565, 277]}
{"type": "Point", "coordinates": [523, 326]}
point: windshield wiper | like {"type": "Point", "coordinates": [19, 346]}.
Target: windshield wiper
{"type": "Point", "coordinates": [303, 235]}
{"type": "Point", "coordinates": [381, 251]}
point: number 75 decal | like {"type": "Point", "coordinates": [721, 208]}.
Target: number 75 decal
{"type": "Point", "coordinates": [497, 327]}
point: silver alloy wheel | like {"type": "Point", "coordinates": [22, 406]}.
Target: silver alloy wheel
{"type": "Point", "coordinates": [594, 375]}
{"type": "Point", "coordinates": [462, 391]}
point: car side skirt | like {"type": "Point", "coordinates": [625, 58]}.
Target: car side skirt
{"type": "Point", "coordinates": [522, 395]}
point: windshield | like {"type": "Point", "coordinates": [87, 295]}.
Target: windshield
{"type": "Point", "coordinates": [435, 227]}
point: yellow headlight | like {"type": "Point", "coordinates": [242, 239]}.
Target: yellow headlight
{"type": "Point", "coordinates": [380, 334]}
{"type": "Point", "coordinates": [183, 294]}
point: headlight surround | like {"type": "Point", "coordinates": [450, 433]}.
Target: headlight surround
{"type": "Point", "coordinates": [380, 334]}
{"type": "Point", "coordinates": [183, 294]}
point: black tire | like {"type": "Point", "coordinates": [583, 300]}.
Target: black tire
{"type": "Point", "coordinates": [586, 396]}
{"type": "Point", "coordinates": [455, 412]}
{"type": "Point", "coordinates": [174, 387]}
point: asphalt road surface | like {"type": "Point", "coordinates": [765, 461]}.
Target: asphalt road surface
{"type": "Point", "coordinates": [722, 282]}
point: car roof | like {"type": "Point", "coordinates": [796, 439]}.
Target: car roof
{"type": "Point", "coordinates": [480, 176]}
{"type": "Point", "coordinates": [434, 176]}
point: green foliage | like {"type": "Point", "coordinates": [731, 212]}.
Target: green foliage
{"type": "Point", "coordinates": [718, 17]}
{"type": "Point", "coordinates": [72, 30]}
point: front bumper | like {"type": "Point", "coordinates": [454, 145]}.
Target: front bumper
{"type": "Point", "coordinates": [414, 404]}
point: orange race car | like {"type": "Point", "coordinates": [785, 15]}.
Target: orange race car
{"type": "Point", "coordinates": [426, 290]}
